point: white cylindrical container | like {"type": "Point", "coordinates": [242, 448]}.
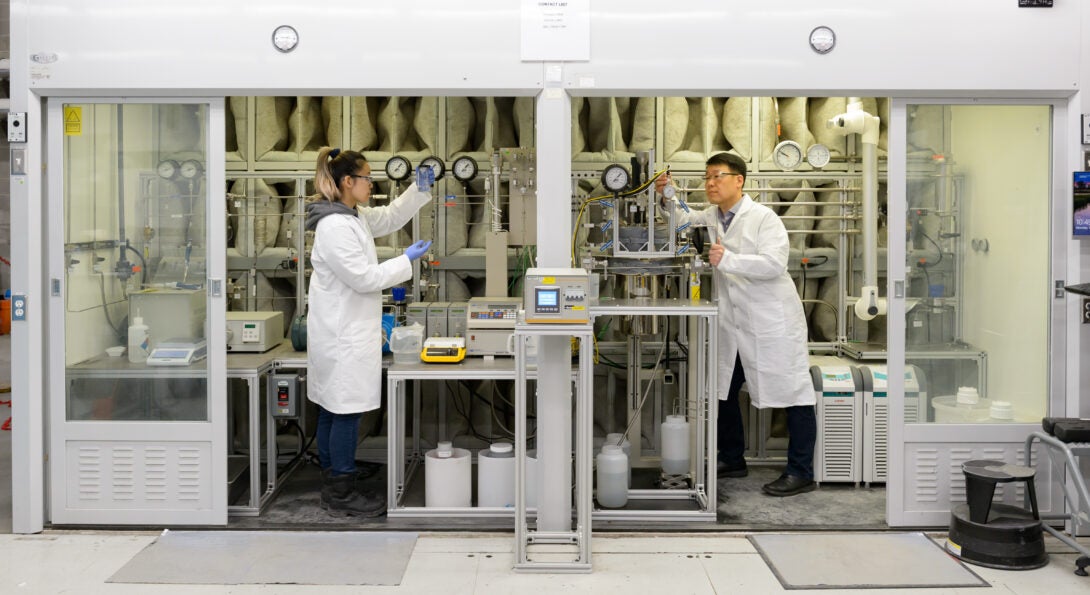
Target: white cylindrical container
{"type": "Point", "coordinates": [1001, 411]}
{"type": "Point", "coordinates": [448, 477]}
{"type": "Point", "coordinates": [675, 445]}
{"type": "Point", "coordinates": [967, 395]}
{"type": "Point", "coordinates": [139, 341]}
{"type": "Point", "coordinates": [612, 477]}
{"type": "Point", "coordinates": [496, 476]}
{"type": "Point", "coordinates": [626, 447]}
{"type": "Point", "coordinates": [949, 411]}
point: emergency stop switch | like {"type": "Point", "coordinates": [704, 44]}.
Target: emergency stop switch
{"type": "Point", "coordinates": [284, 395]}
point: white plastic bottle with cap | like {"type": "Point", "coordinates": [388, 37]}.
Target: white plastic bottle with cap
{"type": "Point", "coordinates": [675, 445]}
{"type": "Point", "coordinates": [618, 439]}
{"type": "Point", "coordinates": [612, 477]}
{"type": "Point", "coordinates": [139, 340]}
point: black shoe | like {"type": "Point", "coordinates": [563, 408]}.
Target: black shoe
{"type": "Point", "coordinates": [724, 471]}
{"type": "Point", "coordinates": [789, 485]}
{"type": "Point", "coordinates": [340, 496]}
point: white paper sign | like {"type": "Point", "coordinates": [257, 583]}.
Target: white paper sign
{"type": "Point", "coordinates": [556, 30]}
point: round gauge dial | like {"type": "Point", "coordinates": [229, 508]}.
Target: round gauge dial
{"type": "Point", "coordinates": [398, 168]}
{"type": "Point", "coordinates": [822, 39]}
{"type": "Point", "coordinates": [818, 156]}
{"type": "Point", "coordinates": [787, 155]}
{"type": "Point", "coordinates": [436, 166]}
{"type": "Point", "coordinates": [464, 168]}
{"type": "Point", "coordinates": [167, 169]}
{"type": "Point", "coordinates": [191, 168]}
{"type": "Point", "coordinates": [285, 38]}
{"type": "Point", "coordinates": [615, 178]}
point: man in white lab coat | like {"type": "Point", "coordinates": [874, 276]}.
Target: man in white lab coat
{"type": "Point", "coordinates": [762, 329]}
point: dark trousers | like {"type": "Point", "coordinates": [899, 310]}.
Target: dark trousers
{"type": "Point", "coordinates": [801, 431]}
{"type": "Point", "coordinates": [338, 434]}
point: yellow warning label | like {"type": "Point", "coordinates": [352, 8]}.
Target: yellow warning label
{"type": "Point", "coordinates": [73, 121]}
{"type": "Point", "coordinates": [549, 280]}
{"type": "Point", "coordinates": [578, 308]}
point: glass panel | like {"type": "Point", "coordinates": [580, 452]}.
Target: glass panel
{"type": "Point", "coordinates": [134, 246]}
{"type": "Point", "coordinates": [978, 262]}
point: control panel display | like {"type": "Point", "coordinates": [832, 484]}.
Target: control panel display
{"type": "Point", "coordinates": [556, 296]}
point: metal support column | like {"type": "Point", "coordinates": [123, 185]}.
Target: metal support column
{"type": "Point", "coordinates": [581, 535]}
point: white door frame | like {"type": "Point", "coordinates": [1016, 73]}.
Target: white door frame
{"type": "Point", "coordinates": [900, 434]}
{"type": "Point", "coordinates": [59, 430]}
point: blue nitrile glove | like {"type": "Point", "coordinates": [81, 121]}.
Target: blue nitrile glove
{"type": "Point", "coordinates": [425, 178]}
{"type": "Point", "coordinates": [418, 249]}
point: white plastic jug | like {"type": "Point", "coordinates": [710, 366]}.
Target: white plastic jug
{"type": "Point", "coordinates": [612, 477]}
{"type": "Point", "coordinates": [626, 447]}
{"type": "Point", "coordinates": [675, 445]}
{"type": "Point", "coordinates": [406, 343]}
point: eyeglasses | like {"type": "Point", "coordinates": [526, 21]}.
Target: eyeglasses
{"type": "Point", "coordinates": [368, 178]}
{"type": "Point", "coordinates": [719, 175]}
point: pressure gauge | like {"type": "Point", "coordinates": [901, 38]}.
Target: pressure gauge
{"type": "Point", "coordinates": [167, 169]}
{"type": "Point", "coordinates": [822, 39]}
{"type": "Point", "coordinates": [285, 38]}
{"type": "Point", "coordinates": [615, 178]}
{"type": "Point", "coordinates": [436, 166]}
{"type": "Point", "coordinates": [464, 168]}
{"type": "Point", "coordinates": [191, 168]}
{"type": "Point", "coordinates": [818, 156]}
{"type": "Point", "coordinates": [398, 168]}
{"type": "Point", "coordinates": [787, 155]}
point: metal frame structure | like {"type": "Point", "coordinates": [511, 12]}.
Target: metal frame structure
{"type": "Point", "coordinates": [580, 537]}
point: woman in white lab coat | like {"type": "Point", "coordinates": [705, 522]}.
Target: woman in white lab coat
{"type": "Point", "coordinates": [762, 328]}
{"type": "Point", "coordinates": [344, 319]}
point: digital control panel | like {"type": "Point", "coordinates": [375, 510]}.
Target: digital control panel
{"type": "Point", "coordinates": [556, 296]}
{"type": "Point", "coordinates": [485, 312]}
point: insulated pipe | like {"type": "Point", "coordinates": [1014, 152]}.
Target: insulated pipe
{"type": "Point", "coordinates": [856, 121]}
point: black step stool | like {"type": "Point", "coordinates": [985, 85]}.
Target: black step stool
{"type": "Point", "coordinates": [996, 535]}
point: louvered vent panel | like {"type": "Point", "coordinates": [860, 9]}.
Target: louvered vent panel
{"type": "Point", "coordinates": [189, 474]}
{"type": "Point", "coordinates": [881, 441]}
{"type": "Point", "coordinates": [123, 463]}
{"type": "Point", "coordinates": [838, 441]}
{"type": "Point", "coordinates": [89, 466]}
{"type": "Point", "coordinates": [156, 471]}
{"type": "Point", "coordinates": [926, 475]}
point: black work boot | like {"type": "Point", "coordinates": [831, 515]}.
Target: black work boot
{"type": "Point", "coordinates": [339, 496]}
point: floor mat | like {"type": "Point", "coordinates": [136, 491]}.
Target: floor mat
{"type": "Point", "coordinates": [271, 557]}
{"type": "Point", "coordinates": [861, 561]}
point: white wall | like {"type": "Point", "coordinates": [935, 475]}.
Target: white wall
{"type": "Point", "coordinates": [700, 47]}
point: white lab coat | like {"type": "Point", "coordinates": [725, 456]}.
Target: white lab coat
{"type": "Point", "coordinates": [344, 322]}
{"type": "Point", "coordinates": [761, 318]}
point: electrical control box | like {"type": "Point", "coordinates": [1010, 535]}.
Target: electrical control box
{"type": "Point", "coordinates": [285, 392]}
{"type": "Point", "coordinates": [456, 319]}
{"type": "Point", "coordinates": [557, 296]}
{"type": "Point", "coordinates": [254, 331]}
{"type": "Point", "coordinates": [437, 319]}
{"type": "Point", "coordinates": [417, 313]}
{"type": "Point", "coordinates": [490, 325]}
